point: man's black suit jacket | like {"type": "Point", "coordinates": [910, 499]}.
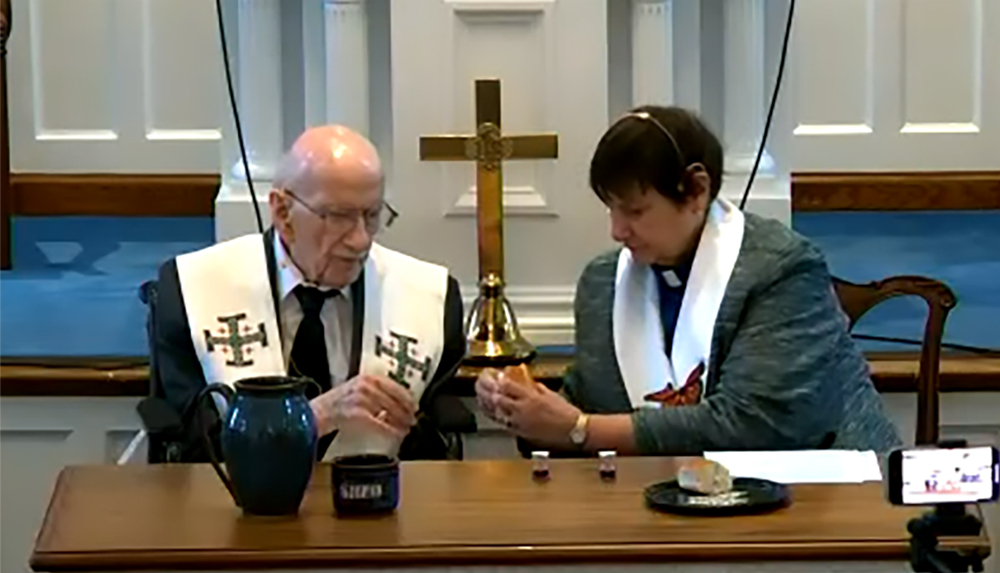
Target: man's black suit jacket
{"type": "Point", "coordinates": [182, 379]}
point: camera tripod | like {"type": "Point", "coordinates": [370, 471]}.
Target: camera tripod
{"type": "Point", "coordinates": [946, 519]}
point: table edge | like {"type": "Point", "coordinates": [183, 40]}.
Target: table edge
{"type": "Point", "coordinates": [471, 555]}
{"type": "Point", "coordinates": [44, 559]}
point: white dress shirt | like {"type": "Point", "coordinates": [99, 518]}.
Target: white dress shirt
{"type": "Point", "coordinates": [336, 315]}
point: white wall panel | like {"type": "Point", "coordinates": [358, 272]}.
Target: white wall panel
{"type": "Point", "coordinates": [182, 80]}
{"type": "Point", "coordinates": [835, 76]}
{"type": "Point", "coordinates": [111, 85]}
{"type": "Point", "coordinates": [942, 65]}
{"type": "Point", "coordinates": [896, 85]}
{"type": "Point", "coordinates": [40, 436]}
{"type": "Point", "coordinates": [106, 85]}
{"type": "Point", "coordinates": [73, 71]}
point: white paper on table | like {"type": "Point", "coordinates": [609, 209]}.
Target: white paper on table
{"type": "Point", "coordinates": [802, 466]}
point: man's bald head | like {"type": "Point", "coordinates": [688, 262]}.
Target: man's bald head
{"type": "Point", "coordinates": [326, 203]}
{"type": "Point", "coordinates": [329, 156]}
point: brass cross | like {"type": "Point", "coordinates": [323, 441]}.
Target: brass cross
{"type": "Point", "coordinates": [489, 148]}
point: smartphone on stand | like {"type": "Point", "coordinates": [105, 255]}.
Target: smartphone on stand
{"type": "Point", "coordinates": [933, 476]}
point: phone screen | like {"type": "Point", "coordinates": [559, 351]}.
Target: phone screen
{"type": "Point", "coordinates": [961, 475]}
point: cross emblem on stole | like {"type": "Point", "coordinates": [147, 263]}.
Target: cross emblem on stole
{"type": "Point", "coordinates": [401, 355]}
{"type": "Point", "coordinates": [495, 338]}
{"type": "Point", "coordinates": [235, 340]}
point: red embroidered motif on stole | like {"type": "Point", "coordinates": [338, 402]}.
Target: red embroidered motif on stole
{"type": "Point", "coordinates": [687, 395]}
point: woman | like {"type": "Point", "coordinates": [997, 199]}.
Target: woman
{"type": "Point", "coordinates": [709, 330]}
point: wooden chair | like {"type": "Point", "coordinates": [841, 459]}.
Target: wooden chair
{"type": "Point", "coordinates": [858, 299]}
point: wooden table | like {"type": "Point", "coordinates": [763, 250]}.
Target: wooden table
{"type": "Point", "coordinates": [467, 514]}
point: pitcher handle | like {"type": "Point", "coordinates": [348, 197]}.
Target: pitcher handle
{"type": "Point", "coordinates": [227, 395]}
{"type": "Point", "coordinates": [319, 389]}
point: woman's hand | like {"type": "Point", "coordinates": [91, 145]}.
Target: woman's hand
{"type": "Point", "coordinates": [487, 390]}
{"type": "Point", "coordinates": [532, 411]}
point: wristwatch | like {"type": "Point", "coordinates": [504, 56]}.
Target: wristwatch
{"type": "Point", "coordinates": [578, 435]}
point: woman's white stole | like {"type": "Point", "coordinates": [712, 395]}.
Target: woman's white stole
{"type": "Point", "coordinates": [234, 327]}
{"type": "Point", "coordinates": [638, 330]}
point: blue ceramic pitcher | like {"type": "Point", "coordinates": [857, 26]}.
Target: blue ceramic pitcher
{"type": "Point", "coordinates": [268, 441]}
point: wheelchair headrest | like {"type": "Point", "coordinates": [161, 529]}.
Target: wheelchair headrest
{"type": "Point", "coordinates": [147, 291]}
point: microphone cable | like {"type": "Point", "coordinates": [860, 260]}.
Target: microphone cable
{"type": "Point", "coordinates": [774, 100]}
{"type": "Point", "coordinates": [236, 113]}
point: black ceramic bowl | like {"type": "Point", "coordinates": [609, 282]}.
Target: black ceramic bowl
{"type": "Point", "coordinates": [365, 484]}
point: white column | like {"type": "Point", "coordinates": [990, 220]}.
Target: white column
{"type": "Point", "coordinates": [746, 111]}
{"type": "Point", "coordinates": [652, 52]}
{"type": "Point", "coordinates": [744, 81]}
{"type": "Point", "coordinates": [257, 75]}
{"type": "Point", "coordinates": [686, 23]}
{"type": "Point", "coordinates": [314, 62]}
{"type": "Point", "coordinates": [259, 95]}
{"type": "Point", "coordinates": [347, 63]}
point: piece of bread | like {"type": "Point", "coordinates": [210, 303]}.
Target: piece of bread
{"type": "Point", "coordinates": [520, 374]}
{"type": "Point", "coordinates": [705, 476]}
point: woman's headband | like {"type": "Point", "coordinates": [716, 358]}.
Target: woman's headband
{"type": "Point", "coordinates": [646, 116]}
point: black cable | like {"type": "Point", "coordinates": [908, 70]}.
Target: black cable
{"type": "Point", "coordinates": [962, 347]}
{"type": "Point", "coordinates": [236, 113]}
{"type": "Point", "coordinates": [774, 101]}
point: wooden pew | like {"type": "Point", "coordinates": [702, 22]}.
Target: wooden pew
{"type": "Point", "coordinates": [892, 373]}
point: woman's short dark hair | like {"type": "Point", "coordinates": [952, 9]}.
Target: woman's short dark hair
{"type": "Point", "coordinates": [651, 147]}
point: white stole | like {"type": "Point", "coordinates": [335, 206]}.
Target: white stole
{"type": "Point", "coordinates": [638, 331]}
{"type": "Point", "coordinates": [404, 305]}
{"type": "Point", "coordinates": [227, 285]}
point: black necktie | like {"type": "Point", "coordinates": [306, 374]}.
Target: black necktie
{"type": "Point", "coordinates": [308, 356]}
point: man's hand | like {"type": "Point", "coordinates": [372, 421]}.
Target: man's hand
{"type": "Point", "coordinates": [369, 401]}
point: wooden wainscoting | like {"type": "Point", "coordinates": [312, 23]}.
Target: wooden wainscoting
{"type": "Point", "coordinates": [114, 194]}
{"type": "Point", "coordinates": [896, 191]}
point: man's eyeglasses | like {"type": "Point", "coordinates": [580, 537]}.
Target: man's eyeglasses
{"type": "Point", "coordinates": [339, 222]}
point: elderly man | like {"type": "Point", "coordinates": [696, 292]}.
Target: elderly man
{"type": "Point", "coordinates": [378, 330]}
